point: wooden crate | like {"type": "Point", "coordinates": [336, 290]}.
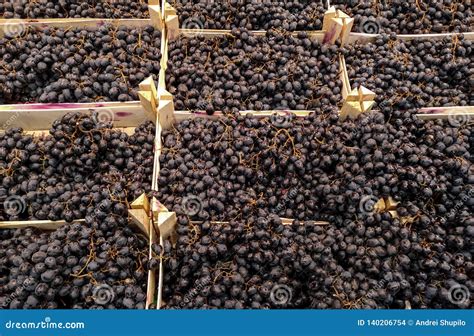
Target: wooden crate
{"type": "Point", "coordinates": [165, 95]}
{"type": "Point", "coordinates": [368, 38]}
{"type": "Point", "coordinates": [40, 121]}
{"type": "Point", "coordinates": [20, 25]}
{"type": "Point", "coordinates": [462, 113]}
{"type": "Point", "coordinates": [120, 110]}
{"type": "Point", "coordinates": [336, 25]}
{"type": "Point", "coordinates": [46, 225]}
{"type": "Point", "coordinates": [36, 119]}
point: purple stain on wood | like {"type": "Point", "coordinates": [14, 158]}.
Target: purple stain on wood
{"type": "Point", "coordinates": [432, 110]}
{"type": "Point", "coordinates": [51, 106]}
{"type": "Point", "coordinates": [123, 114]}
{"type": "Point", "coordinates": [329, 35]}
{"type": "Point", "coordinates": [216, 113]}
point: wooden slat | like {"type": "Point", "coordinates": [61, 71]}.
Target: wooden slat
{"type": "Point", "coordinates": [268, 113]}
{"type": "Point", "coordinates": [39, 224]}
{"type": "Point", "coordinates": [33, 117]}
{"type": "Point", "coordinates": [38, 133]}
{"type": "Point", "coordinates": [460, 113]}
{"type": "Point", "coordinates": [156, 162]}
{"type": "Point", "coordinates": [18, 25]}
{"type": "Point", "coordinates": [284, 221]}
{"type": "Point", "coordinates": [151, 281]}
{"type": "Point", "coordinates": [159, 300]}
{"type": "Point", "coordinates": [346, 85]}
{"type": "Point", "coordinates": [289, 221]}
{"type": "Point", "coordinates": [210, 33]}
{"type": "Point", "coordinates": [183, 115]}
{"type": "Point", "coordinates": [164, 52]}
{"type": "Point", "coordinates": [367, 38]}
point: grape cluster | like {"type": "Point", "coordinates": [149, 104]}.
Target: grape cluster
{"type": "Point", "coordinates": [314, 168]}
{"type": "Point", "coordinates": [415, 73]}
{"type": "Point", "coordinates": [408, 16]}
{"type": "Point", "coordinates": [251, 15]}
{"type": "Point", "coordinates": [258, 262]}
{"type": "Point", "coordinates": [111, 9]}
{"type": "Point", "coordinates": [98, 264]}
{"type": "Point", "coordinates": [80, 163]}
{"type": "Point", "coordinates": [319, 168]}
{"type": "Point", "coordinates": [370, 16]}
{"type": "Point", "coordinates": [54, 65]}
{"type": "Point", "coordinates": [245, 71]}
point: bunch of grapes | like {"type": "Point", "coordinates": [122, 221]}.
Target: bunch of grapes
{"type": "Point", "coordinates": [374, 262]}
{"type": "Point", "coordinates": [101, 263]}
{"type": "Point", "coordinates": [44, 9]}
{"type": "Point", "coordinates": [245, 71]}
{"type": "Point", "coordinates": [415, 73]}
{"type": "Point", "coordinates": [313, 168]}
{"type": "Point", "coordinates": [56, 65]}
{"type": "Point", "coordinates": [82, 161]}
{"type": "Point", "coordinates": [408, 16]}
